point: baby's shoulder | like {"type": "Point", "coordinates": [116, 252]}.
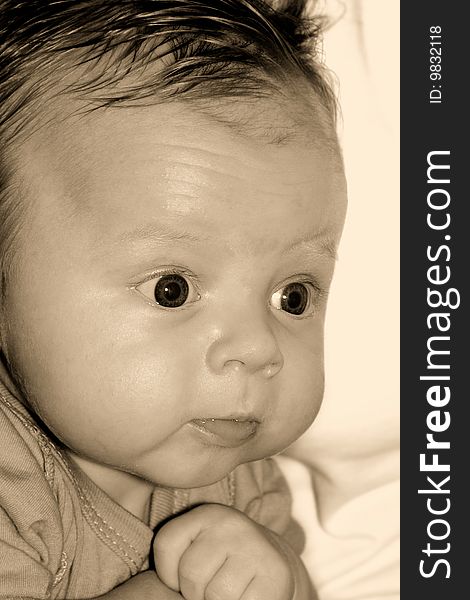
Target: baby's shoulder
{"type": "Point", "coordinates": [33, 500]}
{"type": "Point", "coordinates": [26, 454]}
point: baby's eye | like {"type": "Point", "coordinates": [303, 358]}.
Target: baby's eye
{"type": "Point", "coordinates": [295, 298]}
{"type": "Point", "coordinates": [170, 290]}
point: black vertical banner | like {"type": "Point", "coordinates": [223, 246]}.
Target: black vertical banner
{"type": "Point", "coordinates": [435, 257]}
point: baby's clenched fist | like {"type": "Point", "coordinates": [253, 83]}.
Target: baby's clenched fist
{"type": "Point", "coordinates": [214, 552]}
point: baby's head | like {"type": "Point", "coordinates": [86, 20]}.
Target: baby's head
{"type": "Point", "coordinates": [172, 199]}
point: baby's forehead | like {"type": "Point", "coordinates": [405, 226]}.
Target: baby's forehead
{"type": "Point", "coordinates": [186, 163]}
{"type": "Point", "coordinates": [157, 145]}
{"type": "Point", "coordinates": [72, 138]}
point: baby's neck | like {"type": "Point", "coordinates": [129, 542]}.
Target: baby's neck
{"type": "Point", "coordinates": [127, 490]}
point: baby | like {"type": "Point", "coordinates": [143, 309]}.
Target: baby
{"type": "Point", "coordinates": [172, 196]}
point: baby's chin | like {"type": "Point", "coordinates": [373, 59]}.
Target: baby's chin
{"type": "Point", "coordinates": [193, 475]}
{"type": "Point", "coordinates": [204, 470]}
{"type": "Point", "coordinates": [211, 459]}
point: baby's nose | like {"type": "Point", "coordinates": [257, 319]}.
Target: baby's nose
{"type": "Point", "coordinates": [246, 343]}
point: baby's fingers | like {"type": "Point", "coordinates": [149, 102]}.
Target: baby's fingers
{"type": "Point", "coordinates": [230, 581]}
{"type": "Point", "coordinates": [197, 567]}
{"type": "Point", "coordinates": [171, 543]}
{"type": "Point", "coordinates": [265, 588]}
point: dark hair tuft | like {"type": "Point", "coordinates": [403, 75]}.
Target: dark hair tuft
{"type": "Point", "coordinates": [227, 48]}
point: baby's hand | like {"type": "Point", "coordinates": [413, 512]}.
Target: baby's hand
{"type": "Point", "coordinates": [214, 552]}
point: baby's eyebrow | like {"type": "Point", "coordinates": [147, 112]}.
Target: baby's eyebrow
{"type": "Point", "coordinates": [316, 244]}
{"type": "Point", "coordinates": [157, 233]}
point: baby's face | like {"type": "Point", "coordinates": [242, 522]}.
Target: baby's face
{"type": "Point", "coordinates": [166, 312]}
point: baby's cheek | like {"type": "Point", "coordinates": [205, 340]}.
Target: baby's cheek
{"type": "Point", "coordinates": [302, 389]}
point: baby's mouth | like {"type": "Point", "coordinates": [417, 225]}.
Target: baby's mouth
{"type": "Point", "coordinates": [229, 433]}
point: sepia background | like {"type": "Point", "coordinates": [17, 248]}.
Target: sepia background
{"type": "Point", "coordinates": [352, 515]}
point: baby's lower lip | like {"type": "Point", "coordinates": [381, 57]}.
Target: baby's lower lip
{"type": "Point", "coordinates": [229, 433]}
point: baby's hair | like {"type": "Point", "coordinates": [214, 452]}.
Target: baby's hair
{"type": "Point", "coordinates": [224, 49]}
{"type": "Point", "coordinates": [108, 53]}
